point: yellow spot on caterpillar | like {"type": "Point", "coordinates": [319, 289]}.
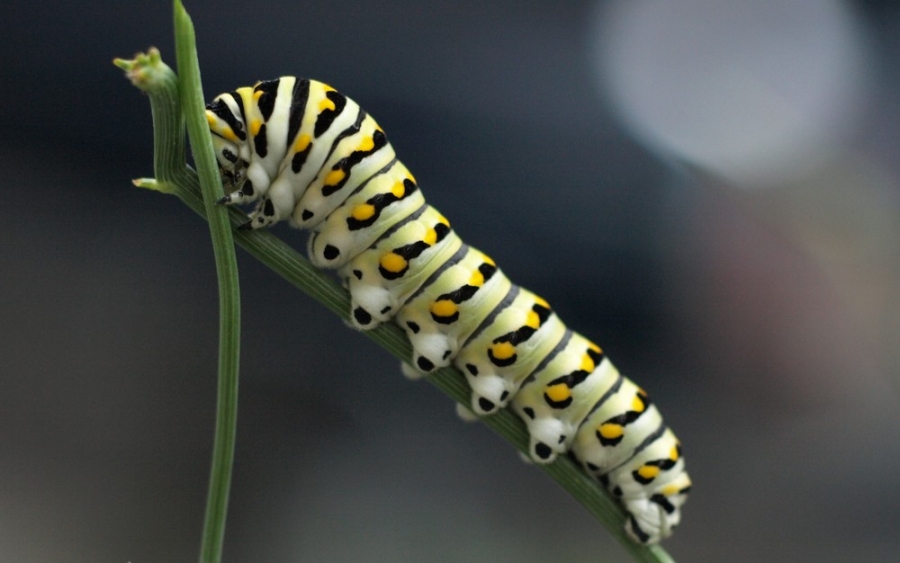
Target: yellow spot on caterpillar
{"type": "Point", "coordinates": [637, 404]}
{"type": "Point", "coordinates": [542, 302]}
{"type": "Point", "coordinates": [670, 490]}
{"type": "Point", "coordinates": [246, 91]}
{"type": "Point", "coordinates": [594, 347]}
{"type": "Point", "coordinates": [257, 94]}
{"type": "Point", "coordinates": [503, 350]}
{"type": "Point", "coordinates": [255, 126]}
{"type": "Point", "coordinates": [444, 308]}
{"type": "Point", "coordinates": [215, 124]}
{"type": "Point", "coordinates": [399, 190]}
{"type": "Point", "coordinates": [326, 104]}
{"type": "Point", "coordinates": [477, 279]}
{"type": "Point", "coordinates": [587, 364]}
{"type": "Point", "coordinates": [532, 320]}
{"type": "Point", "coordinates": [334, 177]}
{"type": "Point", "coordinates": [366, 145]}
{"type": "Point", "coordinates": [430, 237]}
{"type": "Point", "coordinates": [488, 260]}
{"type": "Point", "coordinates": [393, 262]}
{"type": "Point", "coordinates": [363, 211]}
{"type": "Point", "coordinates": [558, 393]}
{"type": "Point", "coordinates": [410, 176]}
{"type": "Point", "coordinates": [301, 143]}
{"type": "Point", "coordinates": [648, 471]}
{"type": "Point", "coordinates": [673, 455]}
{"type": "Point", "coordinates": [610, 431]}
{"type": "Point", "coordinates": [442, 219]}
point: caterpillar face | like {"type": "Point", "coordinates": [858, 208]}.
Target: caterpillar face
{"type": "Point", "coordinates": [229, 140]}
{"type": "Point", "coordinates": [298, 150]}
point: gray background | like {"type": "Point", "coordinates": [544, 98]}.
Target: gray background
{"type": "Point", "coordinates": [763, 322]}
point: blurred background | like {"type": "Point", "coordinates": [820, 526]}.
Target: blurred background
{"type": "Point", "coordinates": [709, 190]}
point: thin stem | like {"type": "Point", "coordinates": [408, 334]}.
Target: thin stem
{"type": "Point", "coordinates": [192, 102]}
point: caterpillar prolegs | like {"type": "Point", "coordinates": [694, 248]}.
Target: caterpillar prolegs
{"type": "Point", "coordinates": [306, 153]}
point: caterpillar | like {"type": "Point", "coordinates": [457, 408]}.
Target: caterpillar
{"type": "Point", "coordinates": [304, 152]}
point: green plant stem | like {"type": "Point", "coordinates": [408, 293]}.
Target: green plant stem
{"type": "Point", "coordinates": [193, 104]}
{"type": "Point", "coordinates": [294, 268]}
{"type": "Point", "coordinates": [167, 96]}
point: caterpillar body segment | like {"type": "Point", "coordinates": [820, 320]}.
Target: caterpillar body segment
{"type": "Point", "coordinates": [383, 200]}
{"type": "Point", "coordinates": [510, 343]}
{"type": "Point", "coordinates": [382, 277]}
{"type": "Point", "coordinates": [450, 306]}
{"type": "Point", "coordinates": [354, 159]}
{"type": "Point", "coordinates": [303, 152]}
{"type": "Point", "coordinates": [619, 424]}
{"type": "Point", "coordinates": [558, 395]}
{"type": "Point", "coordinates": [652, 485]}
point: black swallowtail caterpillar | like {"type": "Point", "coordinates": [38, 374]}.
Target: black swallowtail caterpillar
{"type": "Point", "coordinates": [309, 154]}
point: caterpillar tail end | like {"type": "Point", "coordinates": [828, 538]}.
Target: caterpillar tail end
{"type": "Point", "coordinates": [655, 518]}
{"type": "Point", "coordinates": [650, 528]}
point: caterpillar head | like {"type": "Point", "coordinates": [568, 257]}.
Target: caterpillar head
{"type": "Point", "coordinates": [229, 139]}
{"type": "Point", "coordinates": [232, 167]}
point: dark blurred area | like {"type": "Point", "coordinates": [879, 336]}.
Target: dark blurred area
{"type": "Point", "coordinates": [709, 190]}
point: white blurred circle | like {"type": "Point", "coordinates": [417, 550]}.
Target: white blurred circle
{"type": "Point", "coordinates": [755, 91]}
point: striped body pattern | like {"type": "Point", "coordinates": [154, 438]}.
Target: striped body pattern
{"type": "Point", "coordinates": [301, 151]}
